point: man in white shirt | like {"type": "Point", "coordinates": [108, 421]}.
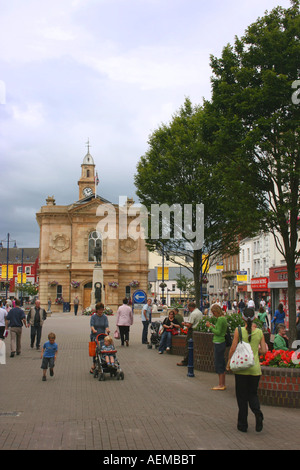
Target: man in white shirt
{"type": "Point", "coordinates": [193, 320]}
{"type": "Point", "coordinates": [251, 303]}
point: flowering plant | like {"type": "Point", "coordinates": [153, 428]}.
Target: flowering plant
{"type": "Point", "coordinates": [53, 283]}
{"type": "Point", "coordinates": [113, 284]}
{"type": "Point", "coordinates": [134, 284]}
{"type": "Point", "coordinates": [280, 358]}
{"type": "Point", "coordinates": [108, 311]}
{"type": "Point", "coordinates": [60, 300]}
{"type": "Point", "coordinates": [75, 284]}
{"type": "Point", "coordinates": [88, 311]}
{"type": "Point", "coordinates": [183, 331]}
{"type": "Point", "coordinates": [233, 321]}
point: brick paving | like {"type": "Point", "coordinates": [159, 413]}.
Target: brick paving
{"type": "Point", "coordinates": [156, 407]}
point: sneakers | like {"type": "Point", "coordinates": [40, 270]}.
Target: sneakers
{"type": "Point", "coordinates": [44, 378]}
{"type": "Point", "coordinates": [51, 372]}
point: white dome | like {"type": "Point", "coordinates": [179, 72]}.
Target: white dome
{"type": "Point", "coordinates": [88, 159]}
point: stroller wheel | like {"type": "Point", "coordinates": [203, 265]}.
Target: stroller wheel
{"type": "Point", "coordinates": [101, 377]}
{"type": "Point", "coordinates": [149, 346]}
{"type": "Point", "coordinates": [120, 375]}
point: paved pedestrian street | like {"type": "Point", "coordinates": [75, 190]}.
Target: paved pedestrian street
{"type": "Point", "coordinates": [157, 407]}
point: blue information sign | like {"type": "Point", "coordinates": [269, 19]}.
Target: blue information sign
{"type": "Point", "coordinates": [139, 297]}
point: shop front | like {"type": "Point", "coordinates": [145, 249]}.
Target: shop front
{"type": "Point", "coordinates": [260, 290]}
{"type": "Point", "coordinates": [278, 286]}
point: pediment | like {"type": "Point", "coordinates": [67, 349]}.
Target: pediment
{"type": "Point", "coordinates": [88, 204]}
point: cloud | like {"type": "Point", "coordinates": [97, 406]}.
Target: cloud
{"type": "Point", "coordinates": [108, 70]}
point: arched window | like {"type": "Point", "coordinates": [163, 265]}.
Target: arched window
{"type": "Point", "coordinates": [93, 238]}
{"type": "Point", "coordinates": [87, 173]}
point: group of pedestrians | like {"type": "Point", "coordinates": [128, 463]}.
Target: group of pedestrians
{"type": "Point", "coordinates": [247, 380]}
{"type": "Point", "coordinates": [12, 320]}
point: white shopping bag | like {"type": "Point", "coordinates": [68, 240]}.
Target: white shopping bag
{"type": "Point", "coordinates": [2, 352]}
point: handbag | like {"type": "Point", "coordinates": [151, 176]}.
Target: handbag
{"type": "Point", "coordinates": [92, 348]}
{"type": "Point", "coordinates": [117, 334]}
{"type": "Point", "coordinates": [243, 356]}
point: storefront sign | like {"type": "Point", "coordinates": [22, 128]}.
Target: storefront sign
{"type": "Point", "coordinates": [259, 283]}
{"type": "Point", "coordinates": [241, 276]}
{"type": "Point", "coordinates": [281, 274]}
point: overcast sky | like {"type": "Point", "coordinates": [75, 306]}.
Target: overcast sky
{"type": "Point", "coordinates": [110, 71]}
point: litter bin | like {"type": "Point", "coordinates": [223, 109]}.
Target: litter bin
{"type": "Point", "coordinates": [66, 306]}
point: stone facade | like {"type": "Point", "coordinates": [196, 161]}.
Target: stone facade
{"type": "Point", "coordinates": [68, 235]}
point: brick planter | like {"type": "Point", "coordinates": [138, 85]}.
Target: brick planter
{"type": "Point", "coordinates": [280, 387]}
{"type": "Point", "coordinates": [178, 344]}
{"type": "Point", "coordinates": [277, 386]}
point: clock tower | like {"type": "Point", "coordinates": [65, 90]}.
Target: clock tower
{"type": "Point", "coordinates": [87, 181]}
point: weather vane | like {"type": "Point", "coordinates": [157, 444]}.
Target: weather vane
{"type": "Point", "coordinates": [88, 145]}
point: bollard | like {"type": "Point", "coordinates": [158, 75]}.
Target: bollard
{"type": "Point", "coordinates": [191, 358]}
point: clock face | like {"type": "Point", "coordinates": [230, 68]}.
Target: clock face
{"type": "Point", "coordinates": [87, 191]}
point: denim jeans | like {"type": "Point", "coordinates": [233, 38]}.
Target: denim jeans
{"type": "Point", "coordinates": [165, 341]}
{"type": "Point", "coordinates": [145, 332]}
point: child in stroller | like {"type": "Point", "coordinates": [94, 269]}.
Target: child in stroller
{"type": "Point", "coordinates": [106, 360]}
{"type": "Point", "coordinates": [155, 329]}
{"type": "Point", "coordinates": [108, 351]}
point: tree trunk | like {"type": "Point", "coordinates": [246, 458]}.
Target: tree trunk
{"type": "Point", "coordinates": [197, 275]}
{"type": "Point", "coordinates": [291, 267]}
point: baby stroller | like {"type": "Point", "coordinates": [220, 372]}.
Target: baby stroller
{"type": "Point", "coordinates": [101, 366]}
{"type": "Point", "coordinates": [155, 335]}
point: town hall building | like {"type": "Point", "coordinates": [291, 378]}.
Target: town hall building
{"type": "Point", "coordinates": [69, 235]}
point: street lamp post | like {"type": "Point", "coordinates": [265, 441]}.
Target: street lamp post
{"type": "Point", "coordinates": [8, 240]}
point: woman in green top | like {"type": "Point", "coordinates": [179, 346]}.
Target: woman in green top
{"type": "Point", "coordinates": [247, 380]}
{"type": "Point", "coordinates": [219, 331]}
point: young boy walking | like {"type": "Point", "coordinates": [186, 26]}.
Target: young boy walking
{"type": "Point", "coordinates": [49, 353]}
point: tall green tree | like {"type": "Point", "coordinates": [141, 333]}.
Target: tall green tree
{"type": "Point", "coordinates": [254, 127]}
{"type": "Point", "coordinates": [180, 168]}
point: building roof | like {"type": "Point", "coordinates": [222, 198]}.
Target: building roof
{"type": "Point", "coordinates": [15, 255]}
{"type": "Point", "coordinates": [88, 159]}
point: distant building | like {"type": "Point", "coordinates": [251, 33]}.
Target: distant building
{"type": "Point", "coordinates": [19, 260]}
{"type": "Point", "coordinates": [68, 237]}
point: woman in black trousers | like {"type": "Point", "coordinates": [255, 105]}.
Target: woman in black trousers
{"type": "Point", "coordinates": [247, 380]}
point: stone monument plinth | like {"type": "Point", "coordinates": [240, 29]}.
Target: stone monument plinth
{"type": "Point", "coordinates": [98, 292]}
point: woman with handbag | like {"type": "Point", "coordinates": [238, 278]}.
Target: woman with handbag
{"type": "Point", "coordinates": [124, 321]}
{"type": "Point", "coordinates": [99, 325]}
{"type": "Point", "coordinates": [170, 327]}
{"type": "Point", "coordinates": [247, 379]}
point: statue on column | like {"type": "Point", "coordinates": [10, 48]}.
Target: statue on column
{"type": "Point", "coordinates": [98, 252]}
